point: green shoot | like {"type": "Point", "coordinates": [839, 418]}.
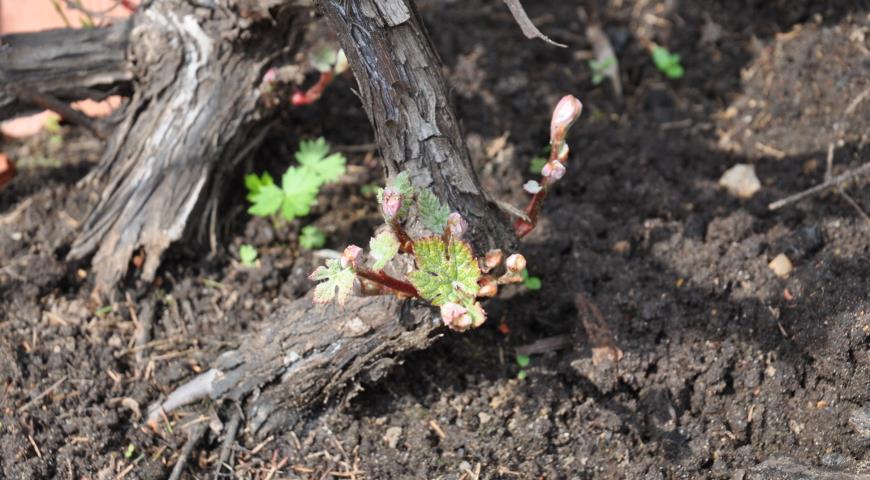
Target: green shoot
{"type": "Point", "coordinates": [532, 283]}
{"type": "Point", "coordinates": [299, 185]}
{"type": "Point", "coordinates": [599, 69]}
{"type": "Point", "coordinates": [129, 451]}
{"type": "Point", "coordinates": [667, 62]}
{"type": "Point", "coordinates": [446, 273]}
{"type": "Point", "coordinates": [311, 238]}
{"type": "Point", "coordinates": [106, 309]}
{"type": "Point", "coordinates": [248, 255]}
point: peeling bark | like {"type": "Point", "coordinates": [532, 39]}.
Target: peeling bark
{"type": "Point", "coordinates": [194, 115]}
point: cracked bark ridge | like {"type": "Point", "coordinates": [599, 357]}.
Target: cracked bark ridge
{"type": "Point", "coordinates": [407, 101]}
{"type": "Point", "coordinates": [192, 117]}
{"type": "Point", "coordinates": [66, 64]}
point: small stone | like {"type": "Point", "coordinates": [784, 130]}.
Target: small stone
{"type": "Point", "coordinates": [392, 436]}
{"type": "Point", "coordinates": [781, 265]}
{"type": "Point", "coordinates": [860, 421]}
{"type": "Point", "coordinates": [741, 181]}
{"type": "Point", "coordinates": [484, 418]}
{"type": "Point", "coordinates": [621, 247]}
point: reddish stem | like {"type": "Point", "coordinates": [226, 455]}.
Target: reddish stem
{"type": "Point", "coordinates": [406, 245]}
{"type": "Point", "coordinates": [314, 93]}
{"type": "Point", "coordinates": [394, 284]}
{"type": "Point", "coordinates": [523, 227]}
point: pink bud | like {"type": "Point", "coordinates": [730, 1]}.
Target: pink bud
{"type": "Point", "coordinates": [452, 314]}
{"type": "Point", "coordinates": [270, 76]}
{"type": "Point", "coordinates": [493, 259]}
{"type": "Point", "coordinates": [515, 263]}
{"type": "Point", "coordinates": [488, 287]}
{"type": "Point", "coordinates": [351, 256]}
{"type": "Point", "coordinates": [391, 203]}
{"type": "Point", "coordinates": [457, 225]}
{"type": "Point", "coordinates": [567, 111]}
{"type": "Point", "coordinates": [532, 187]}
{"type": "Point", "coordinates": [554, 169]}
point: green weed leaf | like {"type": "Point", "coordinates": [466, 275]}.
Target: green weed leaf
{"type": "Point", "coordinates": [313, 156]}
{"type": "Point", "coordinates": [446, 273]}
{"type": "Point", "coordinates": [523, 361]}
{"type": "Point", "coordinates": [266, 200]}
{"type": "Point", "coordinates": [300, 188]}
{"type": "Point", "coordinates": [248, 255]}
{"type": "Point", "coordinates": [532, 283]}
{"type": "Point", "coordinates": [667, 62]}
{"type": "Point", "coordinates": [336, 282]}
{"type": "Point", "coordinates": [383, 247]}
{"type": "Point", "coordinates": [311, 238]}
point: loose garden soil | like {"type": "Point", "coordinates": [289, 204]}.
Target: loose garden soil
{"type": "Point", "coordinates": [725, 364]}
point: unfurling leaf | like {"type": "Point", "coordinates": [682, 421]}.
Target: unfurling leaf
{"type": "Point", "coordinates": [433, 213]}
{"type": "Point", "coordinates": [383, 247]}
{"type": "Point", "coordinates": [446, 273]}
{"type": "Point", "coordinates": [336, 282]}
{"type": "Point", "coordinates": [312, 156]}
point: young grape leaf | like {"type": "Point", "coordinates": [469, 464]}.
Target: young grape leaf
{"type": "Point", "coordinates": [433, 213]}
{"type": "Point", "coordinates": [383, 247]}
{"type": "Point", "coordinates": [266, 200]}
{"type": "Point", "coordinates": [299, 190]}
{"type": "Point", "coordinates": [311, 238]}
{"type": "Point", "coordinates": [312, 156]}
{"type": "Point", "coordinates": [446, 273]}
{"type": "Point", "coordinates": [336, 282]}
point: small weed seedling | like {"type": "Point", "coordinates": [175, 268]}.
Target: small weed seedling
{"type": "Point", "coordinates": [523, 361]}
{"type": "Point", "coordinates": [299, 185]}
{"type": "Point", "coordinates": [446, 272]}
{"type": "Point", "coordinates": [248, 255]}
{"type": "Point", "coordinates": [311, 238]}
{"type": "Point", "coordinates": [667, 62]}
{"type": "Point", "coordinates": [599, 69]}
{"type": "Point", "coordinates": [532, 283]}
{"type": "Point", "coordinates": [537, 164]}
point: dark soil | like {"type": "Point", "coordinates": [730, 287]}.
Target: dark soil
{"type": "Point", "coordinates": [725, 364]}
